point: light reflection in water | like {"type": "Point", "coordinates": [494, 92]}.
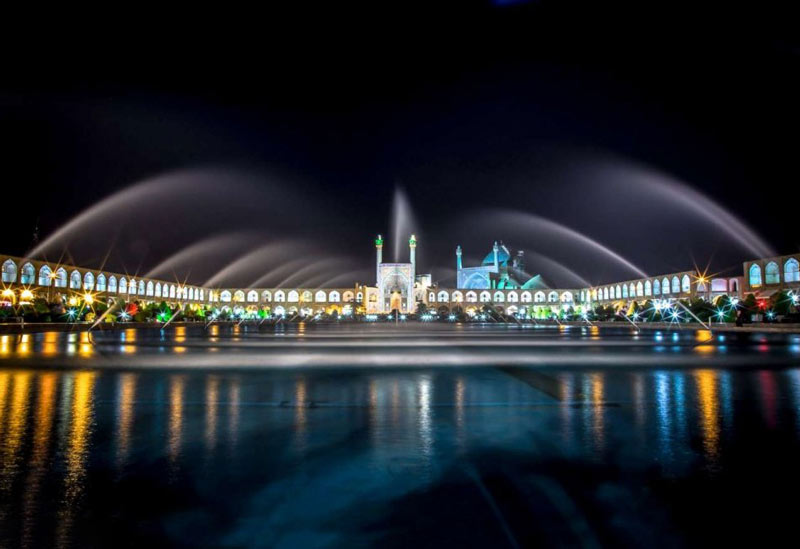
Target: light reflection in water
{"type": "Point", "coordinates": [212, 400]}
{"type": "Point", "coordinates": [50, 344]}
{"type": "Point", "coordinates": [233, 413]}
{"type": "Point", "coordinates": [5, 345]}
{"type": "Point", "coordinates": [300, 418]}
{"type": "Point", "coordinates": [598, 427]}
{"type": "Point", "coordinates": [129, 337]}
{"type": "Point", "coordinates": [17, 425]}
{"type": "Point", "coordinates": [175, 430]}
{"type": "Point", "coordinates": [24, 347]}
{"type": "Point", "coordinates": [424, 421]}
{"type": "Point", "coordinates": [768, 392]}
{"type": "Point", "coordinates": [5, 378]}
{"type": "Point", "coordinates": [180, 337]}
{"type": "Point", "coordinates": [566, 389]}
{"type": "Point", "coordinates": [126, 397]}
{"type": "Point", "coordinates": [664, 411]}
{"type": "Point", "coordinates": [77, 453]}
{"type": "Point", "coordinates": [38, 465]}
{"type": "Point", "coordinates": [460, 433]}
{"type": "Point", "coordinates": [706, 381]}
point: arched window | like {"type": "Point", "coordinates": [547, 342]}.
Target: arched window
{"type": "Point", "coordinates": [512, 297]}
{"type": "Point", "coordinates": [499, 297]}
{"type": "Point", "coordinates": [123, 286]}
{"type": "Point", "coordinates": [172, 292]}
{"type": "Point", "coordinates": [307, 296]}
{"type": "Point", "coordinates": [458, 297]}
{"type": "Point", "coordinates": [624, 290]}
{"type": "Point", "coordinates": [191, 293]}
{"type": "Point", "coordinates": [656, 287]}
{"type": "Point", "coordinates": [141, 287]}
{"type": "Point", "coordinates": [280, 297]}
{"type": "Point", "coordinates": [472, 297]}
{"type": "Point", "coordinates": [101, 283]}
{"type": "Point", "coordinates": [686, 284]}
{"type": "Point", "coordinates": [618, 293]}
{"type": "Point", "coordinates": [443, 297]}
{"type": "Point", "coordinates": [202, 292]}
{"type": "Point", "coordinates": [88, 281]}
{"type": "Point", "coordinates": [552, 297]}
{"type": "Point", "coordinates": [485, 297]}
{"type": "Point", "coordinates": [359, 297]}
{"type": "Point", "coordinates": [632, 290]}
{"type": "Point", "coordinates": [334, 297]}
{"type": "Point", "coordinates": [27, 274]}
{"type": "Point", "coordinates": [527, 297]}
{"type": "Point", "coordinates": [583, 296]}
{"type": "Point", "coordinates": [639, 289]}
{"type": "Point", "coordinates": [431, 297]}
{"type": "Point", "coordinates": [279, 310]}
{"type": "Point", "coordinates": [755, 275]}
{"type": "Point", "coordinates": [665, 285]}
{"type": "Point", "coordinates": [594, 294]}
{"type": "Point", "coordinates": [9, 271]}
{"type": "Point", "coordinates": [676, 285]}
{"type": "Point", "coordinates": [150, 289]}
{"type": "Point", "coordinates": [348, 297]}
{"type": "Point", "coordinates": [791, 270]}
{"type": "Point", "coordinates": [112, 284]}
{"type": "Point", "coordinates": [293, 296]}
{"type": "Point", "coordinates": [225, 296]}
{"type": "Point", "coordinates": [44, 276]}
{"type": "Point", "coordinates": [566, 297]}
{"type": "Point", "coordinates": [266, 295]}
{"type": "Point", "coordinates": [158, 289]}
{"type": "Point", "coordinates": [647, 288]}
{"type": "Point", "coordinates": [319, 297]}
{"type": "Point", "coordinates": [75, 280]}
{"type": "Point", "coordinates": [252, 296]}
{"type": "Point", "coordinates": [238, 296]}
{"type": "Point", "coordinates": [772, 273]}
{"type": "Point", "coordinates": [538, 297]}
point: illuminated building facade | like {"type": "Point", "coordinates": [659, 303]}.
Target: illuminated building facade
{"type": "Point", "coordinates": [398, 287]}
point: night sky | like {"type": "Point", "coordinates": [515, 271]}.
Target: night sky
{"type": "Point", "coordinates": [564, 110]}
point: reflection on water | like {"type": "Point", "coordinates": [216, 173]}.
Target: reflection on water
{"type": "Point", "coordinates": [125, 407]}
{"type": "Point", "coordinates": [707, 396]}
{"type": "Point", "coordinates": [175, 430]}
{"type": "Point", "coordinates": [285, 446]}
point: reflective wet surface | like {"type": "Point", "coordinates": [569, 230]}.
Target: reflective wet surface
{"type": "Point", "coordinates": [486, 436]}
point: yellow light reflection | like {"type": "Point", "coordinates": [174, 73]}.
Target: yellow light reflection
{"type": "Point", "coordinates": [704, 349]}
{"type": "Point", "coordinates": [233, 410]}
{"type": "Point", "coordinates": [17, 425]}
{"type": "Point", "coordinates": [76, 452]}
{"type": "Point", "coordinates": [180, 334]}
{"type": "Point", "coordinates": [85, 349]}
{"type": "Point", "coordinates": [24, 347]}
{"type": "Point", "coordinates": [706, 381]}
{"type": "Point", "coordinates": [125, 415]}
{"type": "Point", "coordinates": [129, 336]}
{"type": "Point", "coordinates": [50, 344]}
{"type": "Point", "coordinates": [598, 427]}
{"type": "Point", "coordinates": [702, 336]}
{"type": "Point", "coordinates": [300, 418]}
{"type": "Point", "coordinates": [45, 407]}
{"type": "Point", "coordinates": [5, 377]}
{"type": "Point", "coordinates": [5, 348]}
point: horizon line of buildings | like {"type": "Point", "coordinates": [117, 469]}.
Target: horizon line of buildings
{"type": "Point", "coordinates": [498, 281]}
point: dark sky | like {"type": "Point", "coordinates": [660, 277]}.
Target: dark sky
{"type": "Point", "coordinates": [501, 106]}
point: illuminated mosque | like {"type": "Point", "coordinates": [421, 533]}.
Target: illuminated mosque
{"type": "Point", "coordinates": [498, 270]}
{"type": "Point", "coordinates": [500, 281]}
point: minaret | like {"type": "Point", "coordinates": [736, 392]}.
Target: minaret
{"type": "Point", "coordinates": [378, 258]}
{"type": "Point", "coordinates": [458, 257]}
{"type": "Point", "coordinates": [496, 250]}
{"type": "Point", "coordinates": [412, 253]}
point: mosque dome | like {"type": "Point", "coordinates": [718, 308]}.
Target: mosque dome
{"type": "Point", "coordinates": [503, 255]}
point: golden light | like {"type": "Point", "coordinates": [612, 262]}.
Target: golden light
{"type": "Point", "coordinates": [26, 295]}
{"type": "Point", "coordinates": [73, 301]}
{"type": "Point", "coordinates": [8, 293]}
{"type": "Point", "coordinates": [88, 299]}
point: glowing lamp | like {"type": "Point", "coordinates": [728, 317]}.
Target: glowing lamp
{"type": "Point", "coordinates": [88, 299]}
{"type": "Point", "coordinates": [26, 295]}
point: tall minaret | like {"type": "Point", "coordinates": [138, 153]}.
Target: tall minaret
{"type": "Point", "coordinates": [496, 250]}
{"type": "Point", "coordinates": [412, 253]}
{"type": "Point", "coordinates": [458, 257]}
{"type": "Point", "coordinates": [378, 258]}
